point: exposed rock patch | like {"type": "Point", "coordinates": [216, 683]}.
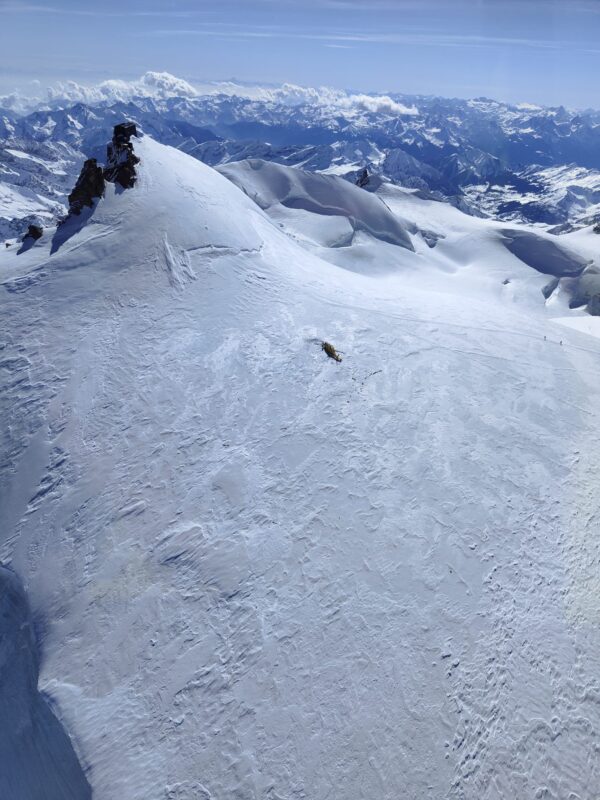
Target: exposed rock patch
{"type": "Point", "coordinates": [330, 350]}
{"type": "Point", "coordinates": [89, 186]}
{"type": "Point", "coordinates": [34, 232]}
{"type": "Point", "coordinates": [120, 168]}
{"type": "Point", "coordinates": [120, 158]}
{"type": "Point", "coordinates": [363, 178]}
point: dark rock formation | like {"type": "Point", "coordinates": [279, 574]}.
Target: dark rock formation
{"type": "Point", "coordinates": [597, 227]}
{"type": "Point", "coordinates": [123, 132]}
{"type": "Point", "coordinates": [89, 186]}
{"type": "Point", "coordinates": [120, 168]}
{"type": "Point", "coordinates": [120, 158]}
{"type": "Point", "coordinates": [34, 232]}
{"type": "Point", "coordinates": [363, 178]}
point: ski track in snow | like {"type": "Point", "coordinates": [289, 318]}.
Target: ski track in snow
{"type": "Point", "coordinates": [267, 575]}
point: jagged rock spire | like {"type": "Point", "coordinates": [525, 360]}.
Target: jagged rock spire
{"type": "Point", "coordinates": [120, 168]}
{"type": "Point", "coordinates": [89, 186]}
{"type": "Point", "coordinates": [120, 158]}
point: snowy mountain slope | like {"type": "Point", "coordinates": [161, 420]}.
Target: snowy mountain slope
{"type": "Point", "coordinates": [350, 227]}
{"type": "Point", "coordinates": [566, 194]}
{"type": "Point", "coordinates": [263, 574]}
{"type": "Point", "coordinates": [34, 181]}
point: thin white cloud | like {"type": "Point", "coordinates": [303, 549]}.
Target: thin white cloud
{"type": "Point", "coordinates": [380, 104]}
{"type": "Point", "coordinates": [420, 39]}
{"type": "Point", "coordinates": [34, 8]}
{"type": "Point", "coordinates": [162, 85]}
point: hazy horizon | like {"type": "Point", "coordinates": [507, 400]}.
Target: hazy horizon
{"type": "Point", "coordinates": [539, 51]}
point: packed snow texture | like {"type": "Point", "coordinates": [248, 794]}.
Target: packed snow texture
{"type": "Point", "coordinates": [264, 574]}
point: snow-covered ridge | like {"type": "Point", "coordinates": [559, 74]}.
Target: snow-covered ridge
{"type": "Point", "coordinates": [271, 185]}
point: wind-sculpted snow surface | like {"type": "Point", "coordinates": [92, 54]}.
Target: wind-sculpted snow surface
{"type": "Point", "coordinates": [265, 574]}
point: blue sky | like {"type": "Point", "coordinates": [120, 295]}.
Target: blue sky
{"type": "Point", "coordinates": [544, 51]}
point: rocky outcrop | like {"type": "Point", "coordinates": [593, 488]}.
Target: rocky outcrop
{"type": "Point", "coordinates": [89, 186]}
{"type": "Point", "coordinates": [120, 158]}
{"type": "Point", "coordinates": [34, 232]}
{"type": "Point", "coordinates": [363, 178]}
{"type": "Point", "coordinates": [120, 168]}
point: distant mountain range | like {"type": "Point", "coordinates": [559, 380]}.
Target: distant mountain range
{"type": "Point", "coordinates": [516, 163]}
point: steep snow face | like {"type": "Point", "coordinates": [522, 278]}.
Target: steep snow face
{"type": "Point", "coordinates": [264, 574]}
{"type": "Point", "coordinates": [197, 202]}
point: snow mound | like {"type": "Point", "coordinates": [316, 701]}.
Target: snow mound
{"type": "Point", "coordinates": [179, 207]}
{"type": "Point", "coordinates": [177, 197]}
{"type": "Point", "coordinates": [271, 185]}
